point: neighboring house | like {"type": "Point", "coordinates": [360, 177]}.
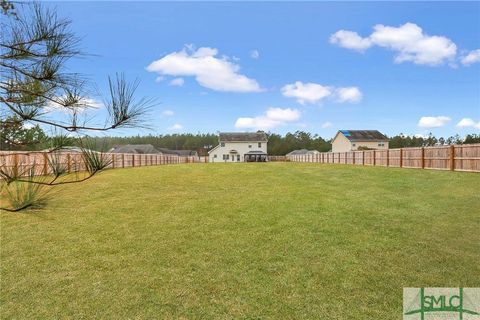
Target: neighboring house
{"type": "Point", "coordinates": [240, 147]}
{"type": "Point", "coordinates": [181, 153]}
{"type": "Point", "coordinates": [302, 152]}
{"type": "Point", "coordinates": [135, 148]}
{"type": "Point", "coordinates": [149, 149]}
{"type": "Point", "coordinates": [350, 140]}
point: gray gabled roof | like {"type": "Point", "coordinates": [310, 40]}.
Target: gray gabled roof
{"type": "Point", "coordinates": [135, 148]}
{"type": "Point", "coordinates": [258, 136]}
{"type": "Point", "coordinates": [149, 149]}
{"type": "Point", "coordinates": [301, 152]}
{"type": "Point", "coordinates": [182, 153]}
{"type": "Point", "coordinates": [364, 135]}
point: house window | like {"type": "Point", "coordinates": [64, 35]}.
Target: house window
{"type": "Point", "coordinates": [238, 157]}
{"type": "Point", "coordinates": [381, 144]}
{"type": "Point", "coordinates": [259, 144]}
{"type": "Point", "coordinates": [249, 145]}
{"type": "Point", "coordinates": [353, 144]}
{"type": "Point", "coordinates": [222, 144]}
{"type": "Point", "coordinates": [225, 157]}
{"type": "Point", "coordinates": [214, 155]}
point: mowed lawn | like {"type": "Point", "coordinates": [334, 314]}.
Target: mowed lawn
{"type": "Point", "coordinates": [247, 241]}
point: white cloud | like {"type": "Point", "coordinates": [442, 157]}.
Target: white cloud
{"type": "Point", "coordinates": [326, 125]}
{"type": "Point", "coordinates": [408, 40]}
{"type": "Point", "coordinates": [159, 79]}
{"type": "Point", "coordinates": [254, 54]}
{"type": "Point", "coordinates": [176, 126]}
{"type": "Point", "coordinates": [419, 135]}
{"type": "Point", "coordinates": [283, 115]}
{"type": "Point", "coordinates": [467, 122]}
{"type": "Point", "coordinates": [210, 71]}
{"type": "Point", "coordinates": [472, 57]}
{"type": "Point", "coordinates": [306, 92]}
{"type": "Point", "coordinates": [350, 40]}
{"type": "Point", "coordinates": [348, 94]}
{"type": "Point", "coordinates": [82, 105]}
{"type": "Point", "coordinates": [177, 82]}
{"type": "Point", "coordinates": [273, 117]}
{"type": "Point", "coordinates": [168, 113]}
{"type": "Point", "coordinates": [433, 122]}
{"type": "Point", "coordinates": [314, 93]}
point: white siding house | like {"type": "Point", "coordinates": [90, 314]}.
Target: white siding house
{"type": "Point", "coordinates": [351, 140]}
{"type": "Point", "coordinates": [240, 147]}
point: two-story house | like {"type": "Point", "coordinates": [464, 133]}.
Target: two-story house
{"type": "Point", "coordinates": [240, 147]}
{"type": "Point", "coordinates": [351, 140]}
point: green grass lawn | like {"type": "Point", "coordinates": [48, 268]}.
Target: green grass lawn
{"type": "Point", "coordinates": [249, 241]}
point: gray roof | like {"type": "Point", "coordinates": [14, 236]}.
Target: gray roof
{"type": "Point", "coordinates": [185, 153]}
{"type": "Point", "coordinates": [135, 148]}
{"type": "Point", "coordinates": [364, 135]}
{"type": "Point", "coordinates": [302, 152]}
{"type": "Point", "coordinates": [149, 149]}
{"type": "Point", "coordinates": [258, 136]}
{"type": "Point", "coordinates": [182, 153]}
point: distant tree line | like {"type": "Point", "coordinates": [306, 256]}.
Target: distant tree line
{"type": "Point", "coordinates": [404, 141]}
{"type": "Point", "coordinates": [14, 137]}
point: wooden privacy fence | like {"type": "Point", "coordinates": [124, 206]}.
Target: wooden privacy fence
{"type": "Point", "coordinates": [21, 162]}
{"type": "Point", "coordinates": [277, 158]}
{"type": "Point", "coordinates": [453, 157]}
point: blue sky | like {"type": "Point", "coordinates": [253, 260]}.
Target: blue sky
{"type": "Point", "coordinates": [280, 66]}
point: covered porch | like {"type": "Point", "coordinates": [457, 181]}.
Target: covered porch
{"type": "Point", "coordinates": [255, 156]}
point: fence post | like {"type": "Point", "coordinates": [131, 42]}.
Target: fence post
{"type": "Point", "coordinates": [346, 153]}
{"type": "Point", "coordinates": [68, 162]}
{"type": "Point", "coordinates": [374, 158]}
{"type": "Point", "coordinates": [423, 158]}
{"type": "Point", "coordinates": [45, 163]}
{"type": "Point", "coordinates": [388, 156]}
{"type": "Point", "coordinates": [133, 160]}
{"type": "Point", "coordinates": [353, 158]}
{"type": "Point", "coordinates": [452, 157]}
{"type": "Point", "coordinates": [15, 164]}
{"type": "Point", "coordinates": [363, 157]}
{"type": "Point", "coordinates": [401, 157]}
{"type": "Point", "coordinates": [123, 160]}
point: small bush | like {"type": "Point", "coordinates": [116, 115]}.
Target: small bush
{"type": "Point", "coordinates": [24, 193]}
